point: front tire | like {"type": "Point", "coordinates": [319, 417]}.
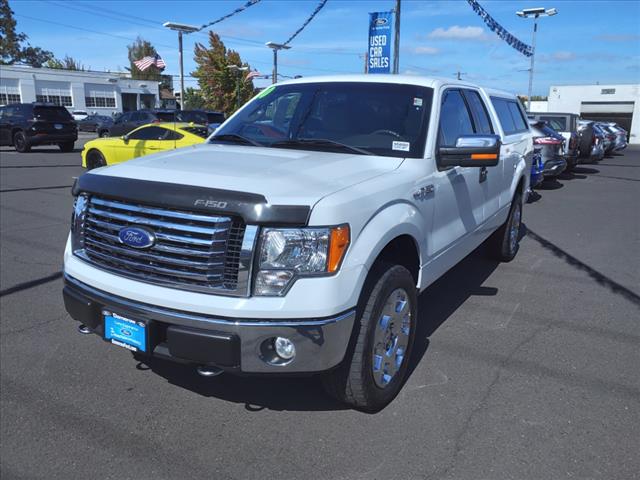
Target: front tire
{"type": "Point", "coordinates": [376, 363]}
{"type": "Point", "coordinates": [505, 242]}
{"type": "Point", "coordinates": [66, 146]}
{"type": "Point", "coordinates": [20, 142]}
{"type": "Point", "coordinates": [95, 159]}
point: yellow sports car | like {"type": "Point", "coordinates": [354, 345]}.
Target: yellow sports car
{"type": "Point", "coordinates": [144, 140]}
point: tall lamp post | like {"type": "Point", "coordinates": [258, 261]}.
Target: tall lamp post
{"type": "Point", "coordinates": [181, 28]}
{"type": "Point", "coordinates": [238, 70]}
{"type": "Point", "coordinates": [275, 47]}
{"type": "Point", "coordinates": [535, 13]}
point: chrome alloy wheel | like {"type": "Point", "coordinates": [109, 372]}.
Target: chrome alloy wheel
{"type": "Point", "coordinates": [391, 337]}
{"type": "Point", "coordinates": [514, 228]}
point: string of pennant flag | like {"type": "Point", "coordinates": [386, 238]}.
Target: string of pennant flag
{"type": "Point", "coordinates": [494, 26]}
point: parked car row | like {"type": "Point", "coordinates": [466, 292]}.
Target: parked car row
{"type": "Point", "coordinates": [562, 140]}
{"type": "Point", "coordinates": [128, 121]}
{"type": "Point", "coordinates": [25, 125]}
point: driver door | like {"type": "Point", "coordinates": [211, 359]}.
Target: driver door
{"type": "Point", "coordinates": [459, 197]}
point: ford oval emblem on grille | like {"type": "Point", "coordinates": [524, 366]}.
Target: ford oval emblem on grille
{"type": "Point", "coordinates": [137, 237]}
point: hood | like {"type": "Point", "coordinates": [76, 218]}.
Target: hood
{"type": "Point", "coordinates": [283, 176]}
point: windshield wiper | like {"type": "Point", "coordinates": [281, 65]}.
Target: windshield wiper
{"type": "Point", "coordinates": [235, 138]}
{"type": "Point", "coordinates": [319, 142]}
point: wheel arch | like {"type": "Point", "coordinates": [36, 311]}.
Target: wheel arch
{"type": "Point", "coordinates": [396, 233]}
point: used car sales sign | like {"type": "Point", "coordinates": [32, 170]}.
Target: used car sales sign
{"type": "Point", "coordinates": [379, 60]}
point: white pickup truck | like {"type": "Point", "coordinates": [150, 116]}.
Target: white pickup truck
{"type": "Point", "coordinates": [298, 237]}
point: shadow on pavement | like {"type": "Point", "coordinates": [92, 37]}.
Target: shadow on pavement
{"type": "Point", "coordinates": [305, 393]}
{"type": "Point", "coordinates": [550, 184]}
{"type": "Point", "coordinates": [585, 170]}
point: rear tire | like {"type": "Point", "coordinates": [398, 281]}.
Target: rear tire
{"type": "Point", "coordinates": [376, 363]}
{"type": "Point", "coordinates": [505, 242]}
{"type": "Point", "coordinates": [95, 159]}
{"type": "Point", "coordinates": [66, 146]}
{"type": "Point", "coordinates": [20, 142]}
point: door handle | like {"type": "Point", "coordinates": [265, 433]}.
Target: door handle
{"type": "Point", "coordinates": [483, 174]}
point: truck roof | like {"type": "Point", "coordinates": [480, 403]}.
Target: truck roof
{"type": "Point", "coordinates": [431, 82]}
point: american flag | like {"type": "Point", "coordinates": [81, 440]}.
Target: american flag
{"type": "Point", "coordinates": [146, 62]}
{"type": "Point", "coordinates": [252, 75]}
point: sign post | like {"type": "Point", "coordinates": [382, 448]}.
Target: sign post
{"type": "Point", "coordinates": [379, 54]}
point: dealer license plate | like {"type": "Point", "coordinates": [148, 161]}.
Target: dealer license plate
{"type": "Point", "coordinates": [124, 332]}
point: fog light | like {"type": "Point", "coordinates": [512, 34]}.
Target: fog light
{"type": "Point", "coordinates": [272, 282]}
{"type": "Point", "coordinates": [284, 348]}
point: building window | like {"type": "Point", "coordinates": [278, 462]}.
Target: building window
{"type": "Point", "coordinates": [9, 92]}
{"type": "Point", "coordinates": [7, 98]}
{"type": "Point", "coordinates": [105, 102]}
{"type": "Point", "coordinates": [99, 95]}
{"type": "Point", "coordinates": [63, 100]}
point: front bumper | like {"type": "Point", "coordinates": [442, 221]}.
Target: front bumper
{"type": "Point", "coordinates": [231, 344]}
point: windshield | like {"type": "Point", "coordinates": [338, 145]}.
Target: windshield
{"type": "Point", "coordinates": [375, 118]}
{"type": "Point", "coordinates": [58, 114]}
{"type": "Point", "coordinates": [191, 116]}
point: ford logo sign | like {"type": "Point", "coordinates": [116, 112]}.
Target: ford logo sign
{"type": "Point", "coordinates": [380, 21]}
{"type": "Point", "coordinates": [126, 332]}
{"type": "Point", "coordinates": [137, 237]}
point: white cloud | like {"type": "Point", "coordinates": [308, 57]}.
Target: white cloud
{"type": "Point", "coordinates": [459, 33]}
{"type": "Point", "coordinates": [563, 56]}
{"type": "Point", "coordinates": [426, 50]}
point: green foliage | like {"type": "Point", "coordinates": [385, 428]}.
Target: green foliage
{"type": "Point", "coordinates": [12, 49]}
{"type": "Point", "coordinates": [217, 82]}
{"type": "Point", "coordinates": [193, 99]}
{"type": "Point", "coordinates": [141, 48]}
{"type": "Point", "coordinates": [67, 63]}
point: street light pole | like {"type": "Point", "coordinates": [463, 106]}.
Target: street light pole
{"type": "Point", "coordinates": [181, 28]}
{"type": "Point", "coordinates": [239, 71]}
{"type": "Point", "coordinates": [275, 47]}
{"type": "Point", "coordinates": [396, 40]}
{"type": "Point", "coordinates": [535, 13]}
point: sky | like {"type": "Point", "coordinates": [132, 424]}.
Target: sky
{"type": "Point", "coordinates": [588, 42]}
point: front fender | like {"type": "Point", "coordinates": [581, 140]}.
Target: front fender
{"type": "Point", "coordinates": [391, 221]}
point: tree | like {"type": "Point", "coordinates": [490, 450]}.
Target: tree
{"type": "Point", "coordinates": [12, 49]}
{"type": "Point", "coordinates": [137, 50]}
{"type": "Point", "coordinates": [193, 99]}
{"type": "Point", "coordinates": [217, 82]}
{"type": "Point", "coordinates": [67, 63]}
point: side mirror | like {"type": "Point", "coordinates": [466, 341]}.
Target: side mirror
{"type": "Point", "coordinates": [125, 138]}
{"type": "Point", "coordinates": [471, 151]}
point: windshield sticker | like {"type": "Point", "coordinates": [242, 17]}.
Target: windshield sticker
{"type": "Point", "coordinates": [417, 102]}
{"type": "Point", "coordinates": [266, 91]}
{"type": "Point", "coordinates": [402, 146]}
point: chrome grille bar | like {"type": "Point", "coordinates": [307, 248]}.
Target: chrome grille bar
{"type": "Point", "coordinates": [192, 251]}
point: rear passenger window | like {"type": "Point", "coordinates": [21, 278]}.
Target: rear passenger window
{"type": "Point", "coordinates": [518, 117]}
{"type": "Point", "coordinates": [510, 115]}
{"type": "Point", "coordinates": [454, 119]}
{"type": "Point", "coordinates": [479, 111]}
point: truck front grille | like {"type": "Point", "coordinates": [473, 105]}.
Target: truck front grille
{"type": "Point", "coordinates": [192, 251]}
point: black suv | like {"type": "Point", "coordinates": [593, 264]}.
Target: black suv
{"type": "Point", "coordinates": [128, 121]}
{"type": "Point", "coordinates": [25, 125]}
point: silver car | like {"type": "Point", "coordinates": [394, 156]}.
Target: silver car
{"type": "Point", "coordinates": [590, 142]}
{"type": "Point", "coordinates": [620, 142]}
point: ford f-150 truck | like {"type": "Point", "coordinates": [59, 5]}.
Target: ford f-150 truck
{"type": "Point", "coordinates": [298, 237]}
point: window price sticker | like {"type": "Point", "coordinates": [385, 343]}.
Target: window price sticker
{"type": "Point", "coordinates": [401, 146]}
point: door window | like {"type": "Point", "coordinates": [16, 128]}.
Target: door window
{"type": "Point", "coordinates": [479, 111]}
{"type": "Point", "coordinates": [154, 133]}
{"type": "Point", "coordinates": [454, 119]}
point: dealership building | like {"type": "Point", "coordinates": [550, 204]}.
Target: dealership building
{"type": "Point", "coordinates": [618, 103]}
{"type": "Point", "coordinates": [104, 93]}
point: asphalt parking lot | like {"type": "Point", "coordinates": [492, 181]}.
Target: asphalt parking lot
{"type": "Point", "coordinates": [526, 370]}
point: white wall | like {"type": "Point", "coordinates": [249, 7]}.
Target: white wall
{"type": "Point", "coordinates": [569, 98]}
{"type": "Point", "coordinates": [31, 79]}
{"type": "Point", "coordinates": [539, 106]}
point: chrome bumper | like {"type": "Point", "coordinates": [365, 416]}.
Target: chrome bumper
{"type": "Point", "coordinates": [320, 343]}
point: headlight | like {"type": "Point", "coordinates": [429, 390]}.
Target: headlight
{"type": "Point", "coordinates": [77, 221]}
{"type": "Point", "coordinates": [288, 253]}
